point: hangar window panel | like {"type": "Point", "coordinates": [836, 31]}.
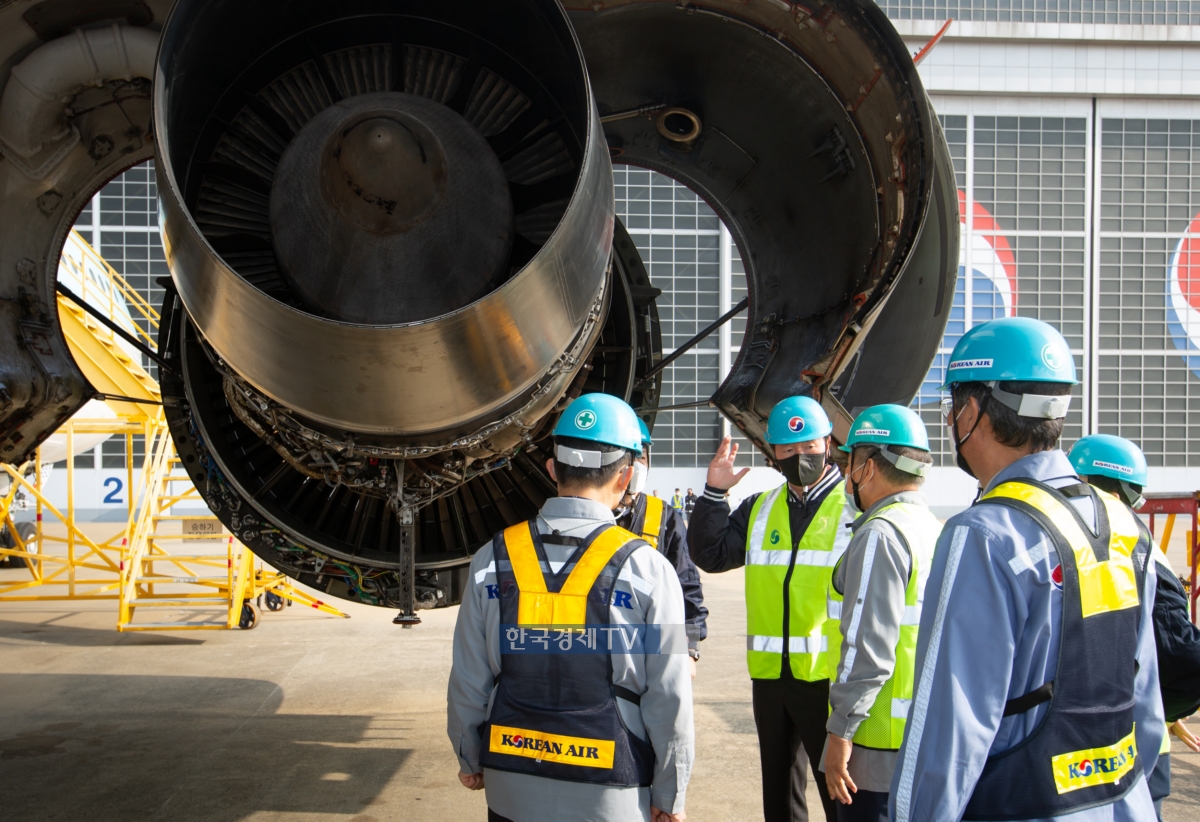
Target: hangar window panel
{"type": "Point", "coordinates": [1024, 239]}
{"type": "Point", "coordinates": [1148, 301]}
{"type": "Point", "coordinates": [748, 453]}
{"type": "Point", "coordinates": [1031, 172]}
{"type": "Point", "coordinates": [1121, 12]}
{"type": "Point", "coordinates": [678, 236]}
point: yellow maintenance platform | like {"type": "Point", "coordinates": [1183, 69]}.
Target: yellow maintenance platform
{"type": "Point", "coordinates": [156, 561]}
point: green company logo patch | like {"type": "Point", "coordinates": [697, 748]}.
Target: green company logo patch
{"type": "Point", "coordinates": [585, 419]}
{"type": "Point", "coordinates": [775, 537]}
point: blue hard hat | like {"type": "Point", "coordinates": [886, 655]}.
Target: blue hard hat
{"type": "Point", "coordinates": [1105, 455]}
{"type": "Point", "coordinates": [646, 438]}
{"type": "Point", "coordinates": [1011, 349]}
{"type": "Point", "coordinates": [797, 419]}
{"type": "Point", "coordinates": [601, 418]}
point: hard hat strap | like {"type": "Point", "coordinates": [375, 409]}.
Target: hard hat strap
{"type": "Point", "coordinates": [586, 459]}
{"type": "Point", "coordinates": [905, 464]}
{"type": "Point", "coordinates": [1040, 406]}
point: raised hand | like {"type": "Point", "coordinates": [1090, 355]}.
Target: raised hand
{"type": "Point", "coordinates": [721, 473]}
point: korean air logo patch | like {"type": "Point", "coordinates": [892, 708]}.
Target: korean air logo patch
{"type": "Point", "coordinates": [869, 431]}
{"type": "Point", "coordinates": [796, 425]}
{"type": "Point", "coordinates": [1105, 765]}
{"type": "Point", "coordinates": [585, 419]}
{"type": "Point", "coordinates": [1056, 576]}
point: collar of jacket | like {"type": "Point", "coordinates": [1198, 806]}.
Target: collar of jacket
{"type": "Point", "coordinates": [1044, 466]}
{"type": "Point", "coordinates": [911, 497]}
{"type": "Point", "coordinates": [575, 508]}
{"type": "Point", "coordinates": [819, 489]}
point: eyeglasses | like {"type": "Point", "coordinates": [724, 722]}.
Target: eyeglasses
{"type": "Point", "coordinates": [947, 407]}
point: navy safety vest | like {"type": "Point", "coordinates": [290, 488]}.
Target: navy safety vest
{"type": "Point", "coordinates": [1083, 753]}
{"type": "Point", "coordinates": [555, 715]}
{"type": "Point", "coordinates": [646, 519]}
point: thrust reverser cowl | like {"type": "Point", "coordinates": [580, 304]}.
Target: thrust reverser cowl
{"type": "Point", "coordinates": [813, 139]}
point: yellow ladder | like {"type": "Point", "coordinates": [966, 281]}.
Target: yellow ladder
{"type": "Point", "coordinates": [136, 565]}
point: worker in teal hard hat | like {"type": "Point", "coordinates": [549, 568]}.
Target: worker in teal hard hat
{"type": "Point", "coordinates": [788, 539]}
{"type": "Point", "coordinates": [1117, 466]}
{"type": "Point", "coordinates": [1113, 464]}
{"type": "Point", "coordinates": [1014, 627]}
{"type": "Point", "coordinates": [528, 671]}
{"type": "Point", "coordinates": [874, 602]}
{"type": "Point", "coordinates": [665, 529]}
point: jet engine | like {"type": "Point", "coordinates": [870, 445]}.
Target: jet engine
{"type": "Point", "coordinates": [394, 255]}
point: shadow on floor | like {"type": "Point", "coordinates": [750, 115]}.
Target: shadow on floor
{"type": "Point", "coordinates": [1184, 801]}
{"type": "Point", "coordinates": [52, 634]}
{"type": "Point", "coordinates": [182, 748]}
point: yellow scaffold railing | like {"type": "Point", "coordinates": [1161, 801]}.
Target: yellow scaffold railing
{"type": "Point", "coordinates": [138, 564]}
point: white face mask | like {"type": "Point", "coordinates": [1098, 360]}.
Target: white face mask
{"type": "Point", "coordinates": [638, 483]}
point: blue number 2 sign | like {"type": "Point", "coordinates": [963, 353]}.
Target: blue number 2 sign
{"type": "Point", "coordinates": [116, 485]}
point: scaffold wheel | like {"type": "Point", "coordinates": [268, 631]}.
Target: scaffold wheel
{"type": "Point", "coordinates": [249, 616]}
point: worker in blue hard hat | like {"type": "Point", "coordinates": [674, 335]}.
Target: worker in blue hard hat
{"type": "Point", "coordinates": [1117, 466]}
{"type": "Point", "coordinates": [789, 540]}
{"type": "Point", "coordinates": [1036, 685]}
{"type": "Point", "coordinates": [664, 528]}
{"type": "Point", "coordinates": [569, 695]}
{"type": "Point", "coordinates": [876, 593]}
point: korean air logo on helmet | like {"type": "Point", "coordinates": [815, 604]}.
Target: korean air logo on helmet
{"type": "Point", "coordinates": [1054, 358]}
{"type": "Point", "coordinates": [585, 419]}
{"type": "Point", "coordinates": [1112, 466]}
{"type": "Point", "coordinates": [796, 425]}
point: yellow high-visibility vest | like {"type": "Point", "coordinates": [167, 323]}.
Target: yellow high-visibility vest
{"type": "Point", "coordinates": [769, 548]}
{"type": "Point", "coordinates": [884, 726]}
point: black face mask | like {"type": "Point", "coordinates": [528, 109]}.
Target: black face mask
{"type": "Point", "coordinates": [959, 459]}
{"type": "Point", "coordinates": [802, 469]}
{"type": "Point", "coordinates": [853, 486]}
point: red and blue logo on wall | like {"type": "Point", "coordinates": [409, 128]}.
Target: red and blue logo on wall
{"type": "Point", "coordinates": [991, 291]}
{"type": "Point", "coordinates": [1183, 296]}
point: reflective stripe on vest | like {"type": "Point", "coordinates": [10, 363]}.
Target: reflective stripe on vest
{"type": "Point", "coordinates": [769, 548]}
{"type": "Point", "coordinates": [652, 522]}
{"type": "Point", "coordinates": [888, 716]}
{"type": "Point", "coordinates": [1103, 586]}
{"type": "Point", "coordinates": [569, 606]}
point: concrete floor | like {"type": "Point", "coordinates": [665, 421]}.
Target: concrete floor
{"type": "Point", "coordinates": [307, 718]}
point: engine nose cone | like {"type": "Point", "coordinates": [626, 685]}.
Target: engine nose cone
{"type": "Point", "coordinates": [389, 208]}
{"type": "Point", "coordinates": [384, 175]}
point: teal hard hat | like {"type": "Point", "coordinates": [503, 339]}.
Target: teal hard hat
{"type": "Point", "coordinates": [598, 418]}
{"type": "Point", "coordinates": [1105, 455]}
{"type": "Point", "coordinates": [1011, 349]}
{"type": "Point", "coordinates": [797, 419]}
{"type": "Point", "coordinates": [646, 438]}
{"type": "Point", "coordinates": [885, 425]}
{"type": "Point", "coordinates": [1015, 349]}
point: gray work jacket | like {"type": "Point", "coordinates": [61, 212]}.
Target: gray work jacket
{"type": "Point", "coordinates": [874, 634]}
{"type": "Point", "coordinates": [664, 682]}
